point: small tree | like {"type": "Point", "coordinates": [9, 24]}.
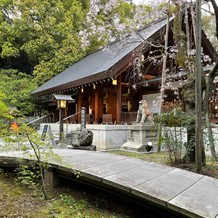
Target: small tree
{"type": "Point", "coordinates": [175, 124]}
{"type": "Point", "coordinates": [29, 142]}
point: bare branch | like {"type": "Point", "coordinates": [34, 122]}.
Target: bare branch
{"type": "Point", "coordinates": [213, 2]}
{"type": "Point", "coordinates": [157, 45]}
{"type": "Point", "coordinates": [214, 71]}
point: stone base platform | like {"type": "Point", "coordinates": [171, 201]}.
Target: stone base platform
{"type": "Point", "coordinates": [90, 148]}
{"type": "Point", "coordinates": [138, 137]}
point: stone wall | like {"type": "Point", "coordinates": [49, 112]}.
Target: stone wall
{"type": "Point", "coordinates": [104, 136]}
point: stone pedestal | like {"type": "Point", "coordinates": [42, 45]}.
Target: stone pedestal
{"type": "Point", "coordinates": [139, 135]}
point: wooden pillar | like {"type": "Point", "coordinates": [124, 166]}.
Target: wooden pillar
{"type": "Point", "coordinates": [96, 105]}
{"type": "Point", "coordinates": [118, 100]}
{"type": "Point", "coordinates": [79, 106]}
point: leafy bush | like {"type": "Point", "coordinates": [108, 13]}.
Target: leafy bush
{"type": "Point", "coordinates": [27, 177]}
{"type": "Point", "coordinates": [175, 126]}
{"type": "Point", "coordinates": [175, 118]}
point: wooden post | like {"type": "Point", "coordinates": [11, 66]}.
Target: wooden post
{"type": "Point", "coordinates": [118, 100]}
{"type": "Point", "coordinates": [96, 105]}
{"type": "Point", "coordinates": [79, 105]}
{"type": "Point", "coordinates": [61, 125]}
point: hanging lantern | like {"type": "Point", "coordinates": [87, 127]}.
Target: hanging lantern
{"type": "Point", "coordinates": [114, 82]}
{"type": "Point", "coordinates": [61, 104]}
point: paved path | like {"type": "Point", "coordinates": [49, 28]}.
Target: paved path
{"type": "Point", "coordinates": [188, 193]}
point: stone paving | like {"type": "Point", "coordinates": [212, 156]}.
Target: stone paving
{"type": "Point", "coordinates": [188, 193]}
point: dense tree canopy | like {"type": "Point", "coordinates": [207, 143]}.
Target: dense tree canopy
{"type": "Point", "coordinates": [41, 36]}
{"type": "Point", "coordinates": [4, 109]}
{"type": "Point", "coordinates": [17, 87]}
{"type": "Point", "coordinates": [5, 115]}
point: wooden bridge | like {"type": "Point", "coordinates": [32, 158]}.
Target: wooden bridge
{"type": "Point", "coordinates": [174, 190]}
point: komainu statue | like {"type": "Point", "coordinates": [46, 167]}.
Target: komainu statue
{"type": "Point", "coordinates": [143, 113]}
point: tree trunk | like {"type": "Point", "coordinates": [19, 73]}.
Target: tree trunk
{"type": "Point", "coordinates": [198, 92]}
{"type": "Point", "coordinates": [209, 81]}
{"type": "Point", "coordinates": [163, 79]}
{"type": "Point", "coordinates": [213, 2]}
{"type": "Point", "coordinates": [40, 165]}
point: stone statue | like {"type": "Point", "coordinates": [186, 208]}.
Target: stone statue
{"type": "Point", "coordinates": [84, 140]}
{"type": "Point", "coordinates": [143, 113]}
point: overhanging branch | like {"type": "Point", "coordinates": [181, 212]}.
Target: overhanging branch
{"type": "Point", "coordinates": [213, 2]}
{"type": "Point", "coordinates": [214, 71]}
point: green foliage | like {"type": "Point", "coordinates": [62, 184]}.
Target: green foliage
{"type": "Point", "coordinates": [152, 157]}
{"type": "Point", "coordinates": [17, 87]}
{"type": "Point", "coordinates": [8, 50]}
{"type": "Point", "coordinates": [67, 199]}
{"type": "Point", "coordinates": [76, 173]}
{"type": "Point", "coordinates": [4, 109]}
{"type": "Point", "coordinates": [175, 118]}
{"type": "Point", "coordinates": [172, 141]}
{"type": "Point", "coordinates": [27, 177]}
{"type": "Point", "coordinates": [27, 140]}
{"type": "Point", "coordinates": [174, 126]}
{"type": "Point", "coordinates": [70, 207]}
{"type": "Point", "coordinates": [5, 115]}
{"type": "Point", "coordinates": [62, 58]}
{"type": "Point", "coordinates": [40, 38]}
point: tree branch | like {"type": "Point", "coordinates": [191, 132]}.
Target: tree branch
{"type": "Point", "coordinates": [213, 2]}
{"type": "Point", "coordinates": [214, 71]}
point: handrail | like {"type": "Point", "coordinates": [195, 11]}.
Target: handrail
{"type": "Point", "coordinates": [40, 118]}
{"type": "Point", "coordinates": [69, 116]}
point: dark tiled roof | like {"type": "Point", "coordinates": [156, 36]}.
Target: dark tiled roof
{"type": "Point", "coordinates": [100, 64]}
